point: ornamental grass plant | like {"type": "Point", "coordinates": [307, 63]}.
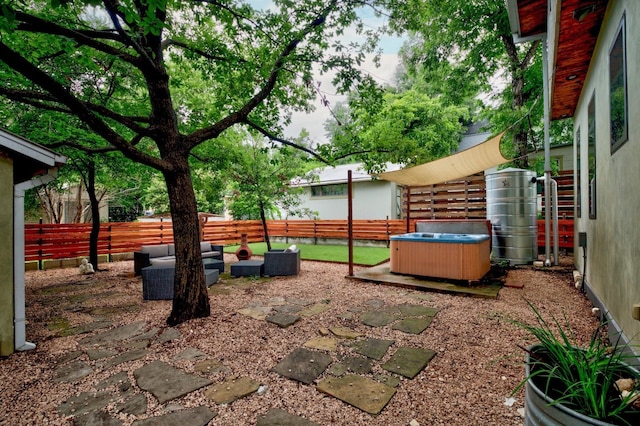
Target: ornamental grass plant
{"type": "Point", "coordinates": [596, 381]}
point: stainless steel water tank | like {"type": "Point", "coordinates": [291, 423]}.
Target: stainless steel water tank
{"type": "Point", "coordinates": [512, 210]}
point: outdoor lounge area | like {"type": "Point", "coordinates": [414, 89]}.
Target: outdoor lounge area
{"type": "Point", "coordinates": [164, 254]}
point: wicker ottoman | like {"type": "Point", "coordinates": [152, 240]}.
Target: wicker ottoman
{"type": "Point", "coordinates": [210, 263]}
{"type": "Point", "coordinates": [157, 281]}
{"type": "Point", "coordinates": [247, 268]}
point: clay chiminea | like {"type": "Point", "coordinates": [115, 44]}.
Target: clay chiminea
{"type": "Point", "coordinates": [243, 252]}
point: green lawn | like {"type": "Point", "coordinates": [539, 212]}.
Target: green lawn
{"type": "Point", "coordinates": [331, 253]}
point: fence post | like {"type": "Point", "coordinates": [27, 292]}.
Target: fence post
{"type": "Point", "coordinates": [315, 232]}
{"type": "Point", "coordinates": [40, 262]}
{"type": "Point", "coordinates": [110, 256]}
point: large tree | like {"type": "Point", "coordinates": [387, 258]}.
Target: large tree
{"type": "Point", "coordinates": [107, 63]}
{"type": "Point", "coordinates": [472, 41]}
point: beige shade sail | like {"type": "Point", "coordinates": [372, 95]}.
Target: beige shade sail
{"type": "Point", "coordinates": [462, 164]}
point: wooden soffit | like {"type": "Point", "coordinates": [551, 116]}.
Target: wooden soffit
{"type": "Point", "coordinates": [578, 26]}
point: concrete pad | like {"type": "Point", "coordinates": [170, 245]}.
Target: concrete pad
{"type": "Point", "coordinates": [408, 362]}
{"type": "Point", "coordinates": [413, 325]}
{"type": "Point", "coordinates": [279, 417]}
{"type": "Point", "coordinates": [323, 343]}
{"type": "Point", "coordinates": [372, 348]}
{"type": "Point", "coordinates": [283, 320]}
{"type": "Point", "coordinates": [345, 333]}
{"type": "Point", "coordinates": [363, 393]}
{"type": "Point", "coordinates": [167, 383]}
{"type": "Point", "coordinates": [71, 372]}
{"type": "Point", "coordinates": [303, 365]}
{"type": "Point", "coordinates": [198, 416]}
{"type": "Point", "coordinates": [315, 309]}
{"type": "Point", "coordinates": [116, 334]}
{"type": "Point", "coordinates": [85, 402]}
{"type": "Point", "coordinates": [231, 389]}
{"type": "Point", "coordinates": [96, 418]}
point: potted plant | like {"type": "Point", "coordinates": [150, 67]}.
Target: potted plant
{"type": "Point", "coordinates": [571, 385]}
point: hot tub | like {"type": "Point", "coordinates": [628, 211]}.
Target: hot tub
{"type": "Point", "coordinates": [441, 255]}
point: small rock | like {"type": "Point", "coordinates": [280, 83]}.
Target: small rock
{"type": "Point", "coordinates": [414, 422]}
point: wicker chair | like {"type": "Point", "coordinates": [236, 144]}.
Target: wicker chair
{"type": "Point", "coordinates": [282, 262]}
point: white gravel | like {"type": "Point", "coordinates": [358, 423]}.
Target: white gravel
{"type": "Point", "coordinates": [476, 367]}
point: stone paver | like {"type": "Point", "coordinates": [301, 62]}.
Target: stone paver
{"type": "Point", "coordinates": [408, 362]}
{"type": "Point", "coordinates": [116, 334]}
{"type": "Point", "coordinates": [303, 365]}
{"type": "Point", "coordinates": [409, 310]}
{"type": "Point", "coordinates": [136, 404]}
{"type": "Point", "coordinates": [210, 366]}
{"type": "Point", "coordinates": [100, 353]}
{"type": "Point", "coordinates": [198, 416]}
{"type": "Point", "coordinates": [256, 312]}
{"type": "Point", "coordinates": [168, 334]}
{"type": "Point", "coordinates": [96, 418]}
{"type": "Point", "coordinates": [288, 309]}
{"type": "Point", "coordinates": [323, 343]}
{"type": "Point", "coordinates": [85, 402]}
{"type": "Point", "coordinates": [190, 354]}
{"type": "Point", "coordinates": [358, 364]}
{"type": "Point", "coordinates": [363, 393]}
{"type": "Point", "coordinates": [413, 325]}
{"type": "Point", "coordinates": [121, 380]}
{"type": "Point", "coordinates": [372, 348]}
{"type": "Point", "coordinates": [345, 333]}
{"type": "Point", "coordinates": [126, 357]}
{"type": "Point", "coordinates": [166, 382]}
{"type": "Point", "coordinates": [378, 318]}
{"type": "Point", "coordinates": [279, 417]}
{"type": "Point", "coordinates": [315, 309]}
{"type": "Point", "coordinates": [231, 389]}
{"type": "Point", "coordinates": [71, 372]}
{"type": "Point", "coordinates": [283, 320]}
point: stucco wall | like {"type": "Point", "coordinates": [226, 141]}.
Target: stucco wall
{"type": "Point", "coordinates": [6, 256]}
{"type": "Point", "coordinates": [371, 200]}
{"type": "Point", "coordinates": [613, 237]}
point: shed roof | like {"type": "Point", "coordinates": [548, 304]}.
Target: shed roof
{"type": "Point", "coordinates": [30, 159]}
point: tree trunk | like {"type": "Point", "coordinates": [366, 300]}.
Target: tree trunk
{"type": "Point", "coordinates": [520, 136]}
{"type": "Point", "coordinates": [263, 218]}
{"type": "Point", "coordinates": [95, 213]}
{"type": "Point", "coordinates": [190, 297]}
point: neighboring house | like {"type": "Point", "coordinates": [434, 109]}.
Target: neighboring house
{"type": "Point", "coordinates": [372, 198]}
{"type": "Point", "coordinates": [23, 165]}
{"type": "Point", "coordinates": [594, 75]}
{"type": "Point", "coordinates": [561, 156]}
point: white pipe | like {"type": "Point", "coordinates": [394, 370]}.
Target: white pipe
{"type": "Point", "coordinates": [552, 207]}
{"type": "Point", "coordinates": [19, 311]}
{"type": "Point", "coordinates": [556, 238]}
{"type": "Point", "coordinates": [547, 150]}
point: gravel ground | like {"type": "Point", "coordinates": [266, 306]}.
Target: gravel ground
{"type": "Point", "coordinates": [477, 362]}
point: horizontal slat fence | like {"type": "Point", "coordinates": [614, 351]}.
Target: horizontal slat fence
{"type": "Point", "coordinates": [60, 241]}
{"type": "Point", "coordinates": [460, 199]}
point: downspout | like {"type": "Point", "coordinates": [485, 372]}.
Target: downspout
{"type": "Point", "coordinates": [19, 311]}
{"type": "Point", "coordinates": [547, 153]}
{"type": "Point", "coordinates": [553, 206]}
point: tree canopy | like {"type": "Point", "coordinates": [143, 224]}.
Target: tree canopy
{"type": "Point", "coordinates": [123, 68]}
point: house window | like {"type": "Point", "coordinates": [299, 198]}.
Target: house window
{"type": "Point", "coordinates": [576, 177]}
{"type": "Point", "coordinates": [335, 190]}
{"type": "Point", "coordinates": [618, 89]}
{"type": "Point", "coordinates": [591, 118]}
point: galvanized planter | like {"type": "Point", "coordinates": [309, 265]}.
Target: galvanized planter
{"type": "Point", "coordinates": [541, 410]}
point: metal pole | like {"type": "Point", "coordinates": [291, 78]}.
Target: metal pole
{"type": "Point", "coordinates": [350, 221]}
{"type": "Point", "coordinates": [547, 153]}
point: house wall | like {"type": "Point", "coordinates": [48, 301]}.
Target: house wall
{"type": "Point", "coordinates": [613, 236]}
{"type": "Point", "coordinates": [6, 256]}
{"type": "Point", "coordinates": [371, 200]}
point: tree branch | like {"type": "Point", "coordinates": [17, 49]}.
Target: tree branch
{"type": "Point", "coordinates": [273, 137]}
{"type": "Point", "coordinates": [241, 115]}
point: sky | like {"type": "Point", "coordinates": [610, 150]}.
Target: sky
{"type": "Point", "coordinates": [384, 74]}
